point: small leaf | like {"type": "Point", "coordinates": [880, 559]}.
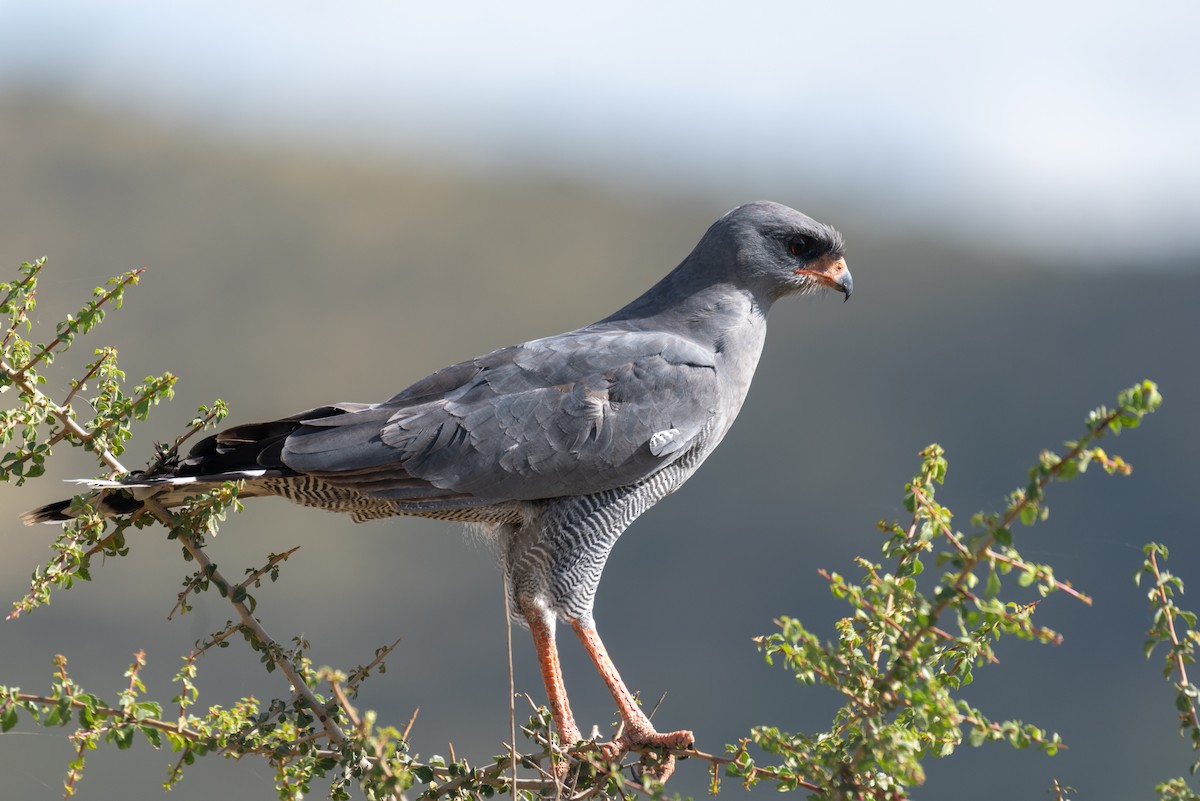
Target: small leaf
{"type": "Point", "coordinates": [992, 588]}
{"type": "Point", "coordinates": [153, 735]}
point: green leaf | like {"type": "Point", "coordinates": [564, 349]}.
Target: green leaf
{"type": "Point", "coordinates": [153, 735]}
{"type": "Point", "coordinates": [992, 588]}
{"type": "Point", "coordinates": [8, 718]}
{"type": "Point", "coordinates": [123, 736]}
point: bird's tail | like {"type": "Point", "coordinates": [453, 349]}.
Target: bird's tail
{"type": "Point", "coordinates": [249, 453]}
{"type": "Point", "coordinates": [111, 498]}
{"type": "Point", "coordinates": [50, 513]}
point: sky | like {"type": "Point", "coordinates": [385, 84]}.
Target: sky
{"type": "Point", "coordinates": [1067, 126]}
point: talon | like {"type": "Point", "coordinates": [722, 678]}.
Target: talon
{"type": "Point", "coordinates": [672, 740]}
{"type": "Point", "coordinates": [657, 767]}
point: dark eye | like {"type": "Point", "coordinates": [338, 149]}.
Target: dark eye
{"type": "Point", "coordinates": [797, 246]}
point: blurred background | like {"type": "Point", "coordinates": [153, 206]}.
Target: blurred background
{"type": "Point", "coordinates": [331, 201]}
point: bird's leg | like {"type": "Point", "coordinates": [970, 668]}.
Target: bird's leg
{"type": "Point", "coordinates": [638, 731]}
{"type": "Point", "coordinates": [541, 626]}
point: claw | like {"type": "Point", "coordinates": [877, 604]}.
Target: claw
{"type": "Point", "coordinates": [654, 763]}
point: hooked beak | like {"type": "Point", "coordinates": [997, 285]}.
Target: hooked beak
{"type": "Point", "coordinates": [832, 273]}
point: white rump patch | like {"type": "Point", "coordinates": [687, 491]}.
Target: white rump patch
{"type": "Point", "coordinates": [94, 483]}
{"type": "Point", "coordinates": [141, 490]}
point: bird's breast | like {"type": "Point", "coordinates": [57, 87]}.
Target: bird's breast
{"type": "Point", "coordinates": [738, 350]}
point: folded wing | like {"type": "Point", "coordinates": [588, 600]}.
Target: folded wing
{"type": "Point", "coordinates": [573, 414]}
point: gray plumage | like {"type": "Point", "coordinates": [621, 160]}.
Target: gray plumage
{"type": "Point", "coordinates": [552, 447]}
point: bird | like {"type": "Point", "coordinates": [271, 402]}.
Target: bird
{"type": "Point", "coordinates": [550, 448]}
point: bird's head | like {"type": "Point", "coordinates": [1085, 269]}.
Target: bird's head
{"type": "Point", "coordinates": [777, 251]}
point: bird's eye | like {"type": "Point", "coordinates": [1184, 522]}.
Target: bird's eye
{"type": "Point", "coordinates": [797, 246]}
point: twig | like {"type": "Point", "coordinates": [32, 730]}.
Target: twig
{"type": "Point", "coordinates": [66, 404]}
{"type": "Point", "coordinates": [62, 415]}
{"type": "Point", "coordinates": [92, 370]}
{"type": "Point", "coordinates": [512, 692]}
{"type": "Point", "coordinates": [713, 759]}
{"type": "Point", "coordinates": [491, 776]}
{"type": "Point", "coordinates": [1177, 647]}
{"type": "Point", "coordinates": [194, 581]}
{"type": "Point", "coordinates": [199, 425]}
{"type": "Point", "coordinates": [657, 704]}
{"type": "Point", "coordinates": [215, 639]}
{"type": "Point", "coordinates": [993, 726]}
{"type": "Point", "coordinates": [22, 313]}
{"type": "Point", "coordinates": [408, 726]}
{"type": "Point", "coordinates": [129, 278]}
{"type": "Point", "coordinates": [1058, 585]}
{"type": "Point", "coordinates": [365, 762]}
{"type": "Point", "coordinates": [110, 712]}
{"type": "Point", "coordinates": [344, 703]}
{"type": "Point", "coordinates": [275, 559]}
{"type": "Point", "coordinates": [825, 574]}
{"type": "Point", "coordinates": [166, 380]}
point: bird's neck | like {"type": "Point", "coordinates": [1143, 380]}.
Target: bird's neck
{"type": "Point", "coordinates": [730, 320]}
{"type": "Point", "coordinates": [715, 313]}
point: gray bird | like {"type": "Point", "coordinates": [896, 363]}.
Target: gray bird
{"type": "Point", "coordinates": [551, 448]}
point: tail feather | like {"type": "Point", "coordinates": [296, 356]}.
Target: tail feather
{"type": "Point", "coordinates": [111, 498]}
{"type": "Point", "coordinates": [106, 502]}
{"type": "Point", "coordinates": [50, 513]}
{"type": "Point", "coordinates": [251, 453]}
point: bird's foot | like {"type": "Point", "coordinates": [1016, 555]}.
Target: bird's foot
{"type": "Point", "coordinates": [657, 760]}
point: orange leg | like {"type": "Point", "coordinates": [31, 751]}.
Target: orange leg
{"type": "Point", "coordinates": [556, 692]}
{"type": "Point", "coordinates": [638, 731]}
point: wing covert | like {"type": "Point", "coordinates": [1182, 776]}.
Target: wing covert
{"type": "Point", "coordinates": [575, 413]}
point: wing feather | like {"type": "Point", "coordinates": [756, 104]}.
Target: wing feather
{"type": "Point", "coordinates": [573, 414]}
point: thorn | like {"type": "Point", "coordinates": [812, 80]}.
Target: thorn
{"type": "Point", "coordinates": [411, 721]}
{"type": "Point", "coordinates": [657, 704]}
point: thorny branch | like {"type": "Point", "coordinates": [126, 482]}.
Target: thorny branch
{"type": "Point", "coordinates": [188, 541]}
{"type": "Point", "coordinates": [251, 624]}
{"type": "Point", "coordinates": [988, 540]}
{"type": "Point", "coordinates": [71, 326]}
{"type": "Point", "coordinates": [1179, 654]}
